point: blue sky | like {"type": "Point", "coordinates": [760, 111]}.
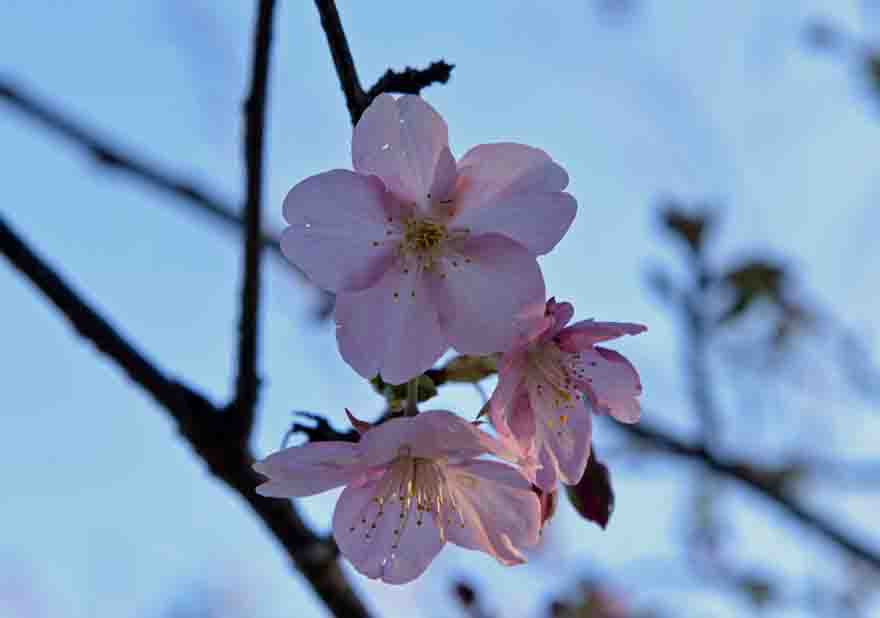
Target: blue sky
{"type": "Point", "coordinates": [107, 511]}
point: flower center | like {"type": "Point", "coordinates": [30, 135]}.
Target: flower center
{"type": "Point", "coordinates": [413, 486]}
{"type": "Point", "coordinates": [423, 235]}
{"type": "Point", "coordinates": [557, 378]}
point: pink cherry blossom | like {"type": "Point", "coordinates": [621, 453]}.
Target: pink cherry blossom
{"type": "Point", "coordinates": [411, 484]}
{"type": "Point", "coordinates": [422, 251]}
{"type": "Point", "coordinates": [544, 384]}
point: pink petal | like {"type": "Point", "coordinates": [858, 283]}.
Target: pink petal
{"type": "Point", "coordinates": [392, 328]}
{"type": "Point", "coordinates": [445, 176]}
{"type": "Point", "coordinates": [309, 469]}
{"type": "Point", "coordinates": [492, 296]}
{"type": "Point", "coordinates": [431, 435]}
{"type": "Point", "coordinates": [538, 221]}
{"type": "Point", "coordinates": [585, 334]}
{"type": "Point", "coordinates": [512, 416]}
{"type": "Point", "coordinates": [490, 169]}
{"type": "Point", "coordinates": [510, 375]}
{"type": "Point", "coordinates": [516, 191]}
{"type": "Point", "coordinates": [501, 514]}
{"type": "Point", "coordinates": [613, 384]}
{"type": "Point", "coordinates": [337, 232]}
{"type": "Point", "coordinates": [564, 430]}
{"type": "Point", "coordinates": [378, 552]}
{"type": "Point", "coordinates": [560, 314]}
{"type": "Point", "coordinates": [400, 141]}
{"type": "Point", "coordinates": [548, 474]}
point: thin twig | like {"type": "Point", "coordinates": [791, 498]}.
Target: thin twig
{"type": "Point", "coordinates": [355, 98]}
{"type": "Point", "coordinates": [202, 424]}
{"type": "Point", "coordinates": [408, 81]}
{"type": "Point", "coordinates": [698, 328]}
{"type": "Point", "coordinates": [247, 382]}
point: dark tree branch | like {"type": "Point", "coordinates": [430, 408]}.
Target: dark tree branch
{"type": "Point", "coordinates": [247, 382]}
{"type": "Point", "coordinates": [410, 80]}
{"type": "Point", "coordinates": [206, 428]}
{"type": "Point", "coordinates": [764, 484]}
{"type": "Point", "coordinates": [114, 157]}
{"type": "Point", "coordinates": [355, 98]}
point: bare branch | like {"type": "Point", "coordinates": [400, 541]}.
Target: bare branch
{"type": "Point", "coordinates": [410, 80]}
{"type": "Point", "coordinates": [247, 382]}
{"type": "Point", "coordinates": [206, 428]}
{"type": "Point", "coordinates": [115, 157]}
{"type": "Point", "coordinates": [763, 484]}
{"type": "Point", "coordinates": [355, 98]}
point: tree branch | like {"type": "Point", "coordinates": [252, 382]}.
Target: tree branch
{"type": "Point", "coordinates": [408, 81]}
{"type": "Point", "coordinates": [205, 427]}
{"type": "Point", "coordinates": [114, 157]}
{"type": "Point", "coordinates": [355, 98]}
{"type": "Point", "coordinates": [764, 484]}
{"type": "Point", "coordinates": [247, 382]}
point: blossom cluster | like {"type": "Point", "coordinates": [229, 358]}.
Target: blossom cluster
{"type": "Point", "coordinates": [425, 252]}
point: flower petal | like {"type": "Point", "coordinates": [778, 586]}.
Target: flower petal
{"type": "Point", "coordinates": [492, 296]}
{"type": "Point", "coordinates": [564, 429]}
{"type": "Point", "coordinates": [500, 512]}
{"type": "Point", "coordinates": [560, 314]}
{"type": "Point", "coordinates": [538, 221]}
{"type": "Point", "coordinates": [612, 384]}
{"type": "Point", "coordinates": [547, 475]}
{"type": "Point", "coordinates": [430, 435]}
{"type": "Point", "coordinates": [337, 232]}
{"type": "Point", "coordinates": [516, 191]}
{"type": "Point", "coordinates": [392, 328]}
{"type": "Point", "coordinates": [585, 334]}
{"type": "Point", "coordinates": [510, 376]}
{"type": "Point", "coordinates": [386, 542]}
{"type": "Point", "coordinates": [445, 177]}
{"type": "Point", "coordinates": [401, 142]}
{"type": "Point", "coordinates": [309, 469]}
{"type": "Point", "coordinates": [490, 169]}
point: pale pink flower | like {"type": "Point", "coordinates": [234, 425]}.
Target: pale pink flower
{"type": "Point", "coordinates": [544, 384]}
{"type": "Point", "coordinates": [422, 251]}
{"type": "Point", "coordinates": [411, 484]}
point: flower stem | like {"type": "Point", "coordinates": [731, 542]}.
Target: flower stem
{"type": "Point", "coordinates": [412, 397]}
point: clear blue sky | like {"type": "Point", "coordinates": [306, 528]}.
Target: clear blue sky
{"type": "Point", "coordinates": [105, 512]}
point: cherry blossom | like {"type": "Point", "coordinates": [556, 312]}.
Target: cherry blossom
{"type": "Point", "coordinates": [545, 383]}
{"type": "Point", "coordinates": [424, 252]}
{"type": "Point", "coordinates": [411, 484]}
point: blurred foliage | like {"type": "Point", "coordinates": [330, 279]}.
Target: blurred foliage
{"type": "Point", "coordinates": [692, 227]}
{"type": "Point", "coordinates": [737, 288]}
{"type": "Point", "coordinates": [872, 60]}
{"type": "Point", "coordinates": [593, 600]}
